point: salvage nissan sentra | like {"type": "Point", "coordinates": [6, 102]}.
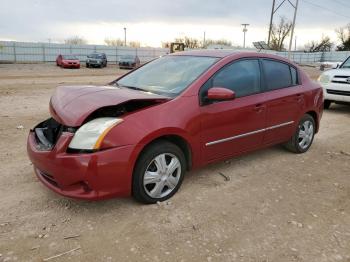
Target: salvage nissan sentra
{"type": "Point", "coordinates": [139, 134]}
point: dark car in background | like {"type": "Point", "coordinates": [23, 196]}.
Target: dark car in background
{"type": "Point", "coordinates": [96, 60]}
{"type": "Point", "coordinates": [129, 62]}
{"type": "Point", "coordinates": [67, 61]}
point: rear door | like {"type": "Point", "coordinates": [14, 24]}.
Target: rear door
{"type": "Point", "coordinates": [232, 127]}
{"type": "Point", "coordinates": [284, 100]}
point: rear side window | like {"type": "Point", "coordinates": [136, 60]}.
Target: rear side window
{"type": "Point", "coordinates": [279, 75]}
{"type": "Point", "coordinates": [243, 77]}
{"type": "Point", "coordinates": [293, 71]}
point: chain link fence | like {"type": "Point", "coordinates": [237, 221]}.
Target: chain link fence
{"type": "Point", "coordinates": [23, 52]}
{"type": "Point", "coordinates": [19, 52]}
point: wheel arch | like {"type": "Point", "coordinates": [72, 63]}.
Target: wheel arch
{"type": "Point", "coordinates": [176, 139]}
{"type": "Point", "coordinates": [314, 115]}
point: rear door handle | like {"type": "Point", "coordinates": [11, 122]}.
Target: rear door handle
{"type": "Point", "coordinates": [299, 97]}
{"type": "Point", "coordinates": [259, 108]}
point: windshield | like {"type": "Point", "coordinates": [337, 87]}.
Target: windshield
{"type": "Point", "coordinates": [95, 56]}
{"type": "Point", "coordinates": [70, 57]}
{"type": "Point", "coordinates": [346, 64]}
{"type": "Point", "coordinates": [168, 75]}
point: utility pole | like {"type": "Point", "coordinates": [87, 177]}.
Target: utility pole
{"type": "Point", "coordinates": [295, 43]}
{"type": "Point", "coordinates": [124, 36]}
{"type": "Point", "coordinates": [293, 25]}
{"type": "Point", "coordinates": [204, 40]}
{"type": "Point", "coordinates": [271, 18]}
{"type": "Point", "coordinates": [244, 32]}
{"type": "Point", "coordinates": [273, 11]}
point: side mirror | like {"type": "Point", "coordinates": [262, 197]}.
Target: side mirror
{"type": "Point", "coordinates": [335, 66]}
{"type": "Point", "coordinates": [220, 94]}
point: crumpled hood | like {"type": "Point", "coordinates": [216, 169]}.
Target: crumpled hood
{"type": "Point", "coordinates": [71, 105]}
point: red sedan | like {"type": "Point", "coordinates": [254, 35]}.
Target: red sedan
{"type": "Point", "coordinates": [67, 61]}
{"type": "Point", "coordinates": [139, 134]}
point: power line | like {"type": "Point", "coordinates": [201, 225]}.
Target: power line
{"type": "Point", "coordinates": [342, 3]}
{"type": "Point", "coordinates": [326, 8]}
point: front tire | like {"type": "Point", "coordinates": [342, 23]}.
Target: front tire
{"type": "Point", "coordinates": [158, 172]}
{"type": "Point", "coordinates": [303, 137]}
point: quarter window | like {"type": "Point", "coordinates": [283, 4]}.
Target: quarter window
{"type": "Point", "coordinates": [293, 71]}
{"type": "Point", "coordinates": [278, 75]}
{"type": "Point", "coordinates": [243, 77]}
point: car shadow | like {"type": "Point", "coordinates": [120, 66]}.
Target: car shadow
{"type": "Point", "coordinates": [338, 108]}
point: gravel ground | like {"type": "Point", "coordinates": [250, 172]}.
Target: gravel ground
{"type": "Point", "coordinates": [276, 206]}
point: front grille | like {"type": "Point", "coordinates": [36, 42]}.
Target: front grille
{"type": "Point", "coordinates": [340, 82]}
{"type": "Point", "coordinates": [47, 133]}
{"type": "Point", "coordinates": [338, 92]}
{"type": "Point", "coordinates": [341, 79]}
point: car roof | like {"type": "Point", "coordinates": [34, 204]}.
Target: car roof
{"type": "Point", "coordinates": [229, 53]}
{"type": "Point", "coordinates": [209, 53]}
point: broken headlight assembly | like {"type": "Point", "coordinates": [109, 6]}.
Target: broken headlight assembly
{"type": "Point", "coordinates": [89, 136]}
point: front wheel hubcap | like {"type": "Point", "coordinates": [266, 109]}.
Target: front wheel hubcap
{"type": "Point", "coordinates": [162, 175]}
{"type": "Point", "coordinates": [306, 133]}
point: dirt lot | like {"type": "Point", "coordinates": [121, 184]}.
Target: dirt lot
{"type": "Point", "coordinates": [277, 206]}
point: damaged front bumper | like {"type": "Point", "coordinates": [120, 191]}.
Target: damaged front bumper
{"type": "Point", "coordinates": [90, 176]}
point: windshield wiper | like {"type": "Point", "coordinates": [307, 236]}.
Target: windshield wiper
{"type": "Point", "coordinates": [132, 87]}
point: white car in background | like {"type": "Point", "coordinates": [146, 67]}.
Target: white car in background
{"type": "Point", "coordinates": [336, 84]}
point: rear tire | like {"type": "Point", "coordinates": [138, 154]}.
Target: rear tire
{"type": "Point", "coordinates": [303, 137]}
{"type": "Point", "coordinates": [158, 172]}
{"type": "Point", "coordinates": [327, 104]}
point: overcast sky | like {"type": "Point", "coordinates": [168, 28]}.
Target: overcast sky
{"type": "Point", "coordinates": [154, 21]}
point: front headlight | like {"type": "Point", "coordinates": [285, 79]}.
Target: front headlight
{"type": "Point", "coordinates": [324, 79]}
{"type": "Point", "coordinates": [90, 135]}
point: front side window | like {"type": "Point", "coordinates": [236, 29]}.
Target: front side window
{"type": "Point", "coordinates": [168, 75]}
{"type": "Point", "coordinates": [242, 77]}
{"type": "Point", "coordinates": [278, 75]}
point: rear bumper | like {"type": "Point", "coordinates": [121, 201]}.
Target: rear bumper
{"type": "Point", "coordinates": [95, 63]}
{"type": "Point", "coordinates": [128, 66]}
{"type": "Point", "coordinates": [337, 92]}
{"type": "Point", "coordinates": [93, 176]}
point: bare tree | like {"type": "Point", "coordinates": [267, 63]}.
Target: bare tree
{"type": "Point", "coordinates": [279, 33]}
{"type": "Point", "coordinates": [217, 42]}
{"type": "Point", "coordinates": [325, 45]}
{"type": "Point", "coordinates": [114, 42]}
{"type": "Point", "coordinates": [344, 37]}
{"type": "Point", "coordinates": [75, 40]}
{"type": "Point", "coordinates": [166, 44]}
{"type": "Point", "coordinates": [135, 44]}
{"type": "Point", "coordinates": [189, 42]}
